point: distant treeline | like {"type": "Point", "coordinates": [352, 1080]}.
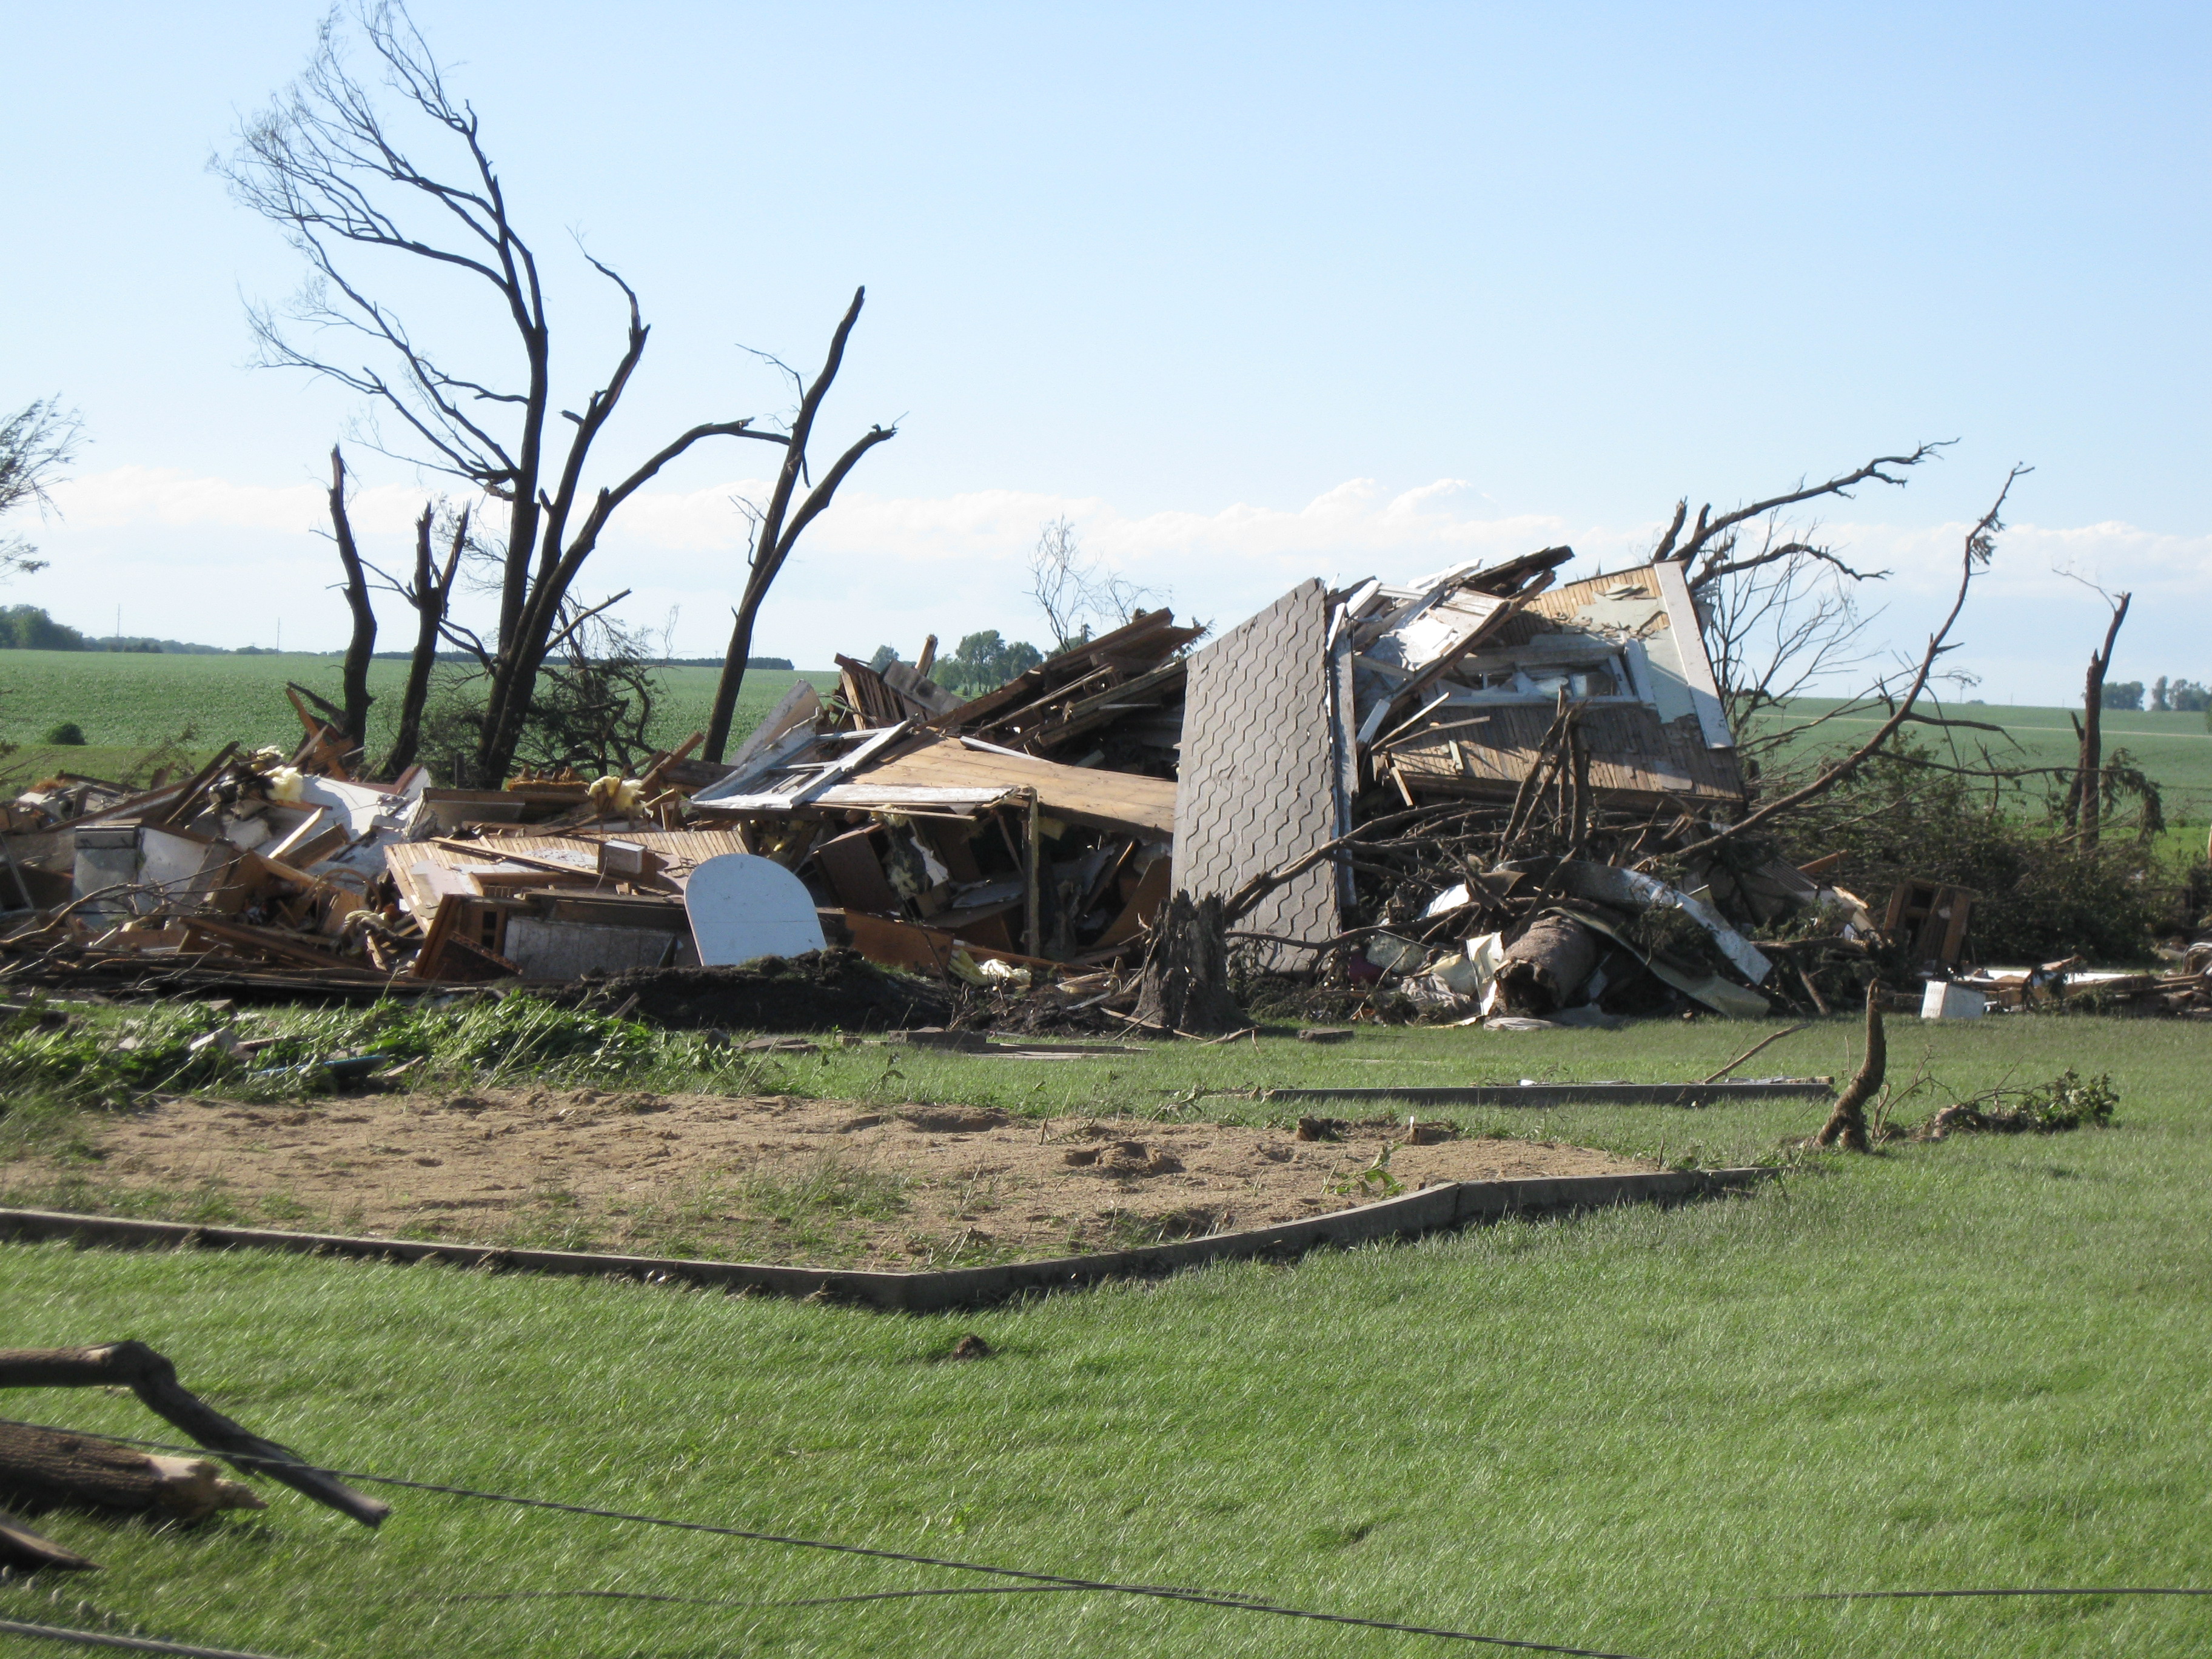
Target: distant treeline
{"type": "Point", "coordinates": [2176, 697]}
{"type": "Point", "coordinates": [28, 628]}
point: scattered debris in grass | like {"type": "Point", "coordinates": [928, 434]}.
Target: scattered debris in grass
{"type": "Point", "coordinates": [2067, 1101]}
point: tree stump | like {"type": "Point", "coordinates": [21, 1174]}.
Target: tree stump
{"type": "Point", "coordinates": [1846, 1125]}
{"type": "Point", "coordinates": [1185, 988]}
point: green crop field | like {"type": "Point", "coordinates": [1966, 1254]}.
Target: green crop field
{"type": "Point", "coordinates": [2175, 750]}
{"type": "Point", "coordinates": [1976, 1364]}
{"type": "Point", "coordinates": [128, 702]}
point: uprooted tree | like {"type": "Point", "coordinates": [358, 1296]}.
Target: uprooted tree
{"type": "Point", "coordinates": [339, 175]}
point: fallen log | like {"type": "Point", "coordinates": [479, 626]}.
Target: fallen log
{"type": "Point", "coordinates": [134, 1366]}
{"type": "Point", "coordinates": [44, 1467]}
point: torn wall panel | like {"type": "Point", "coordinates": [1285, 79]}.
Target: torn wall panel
{"type": "Point", "coordinates": [1258, 786]}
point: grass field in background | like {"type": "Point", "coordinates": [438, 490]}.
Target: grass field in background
{"type": "Point", "coordinates": [2175, 750]}
{"type": "Point", "coordinates": [129, 702]}
{"type": "Point", "coordinates": [1977, 1363]}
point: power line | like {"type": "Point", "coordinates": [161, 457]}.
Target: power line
{"type": "Point", "coordinates": [754, 1607]}
{"type": "Point", "coordinates": [1158, 1592]}
{"type": "Point", "coordinates": [100, 1638]}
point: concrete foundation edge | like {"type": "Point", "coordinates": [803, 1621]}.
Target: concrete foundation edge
{"type": "Point", "coordinates": [1432, 1209]}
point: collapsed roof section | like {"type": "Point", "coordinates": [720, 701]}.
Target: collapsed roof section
{"type": "Point", "coordinates": [1625, 645]}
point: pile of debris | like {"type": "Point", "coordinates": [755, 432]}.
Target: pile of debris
{"type": "Point", "coordinates": [1480, 796]}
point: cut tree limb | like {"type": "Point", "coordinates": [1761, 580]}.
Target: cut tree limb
{"type": "Point", "coordinates": [40, 1468]}
{"type": "Point", "coordinates": [134, 1366]}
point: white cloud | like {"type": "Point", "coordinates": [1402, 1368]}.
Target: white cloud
{"type": "Point", "coordinates": [143, 497]}
{"type": "Point", "coordinates": [208, 559]}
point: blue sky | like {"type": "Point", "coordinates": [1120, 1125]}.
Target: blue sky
{"type": "Point", "coordinates": [1248, 294]}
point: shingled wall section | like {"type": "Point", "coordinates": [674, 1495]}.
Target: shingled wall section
{"type": "Point", "coordinates": [1256, 785]}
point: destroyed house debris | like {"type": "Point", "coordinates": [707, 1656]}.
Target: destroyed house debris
{"type": "Point", "coordinates": [1485, 796]}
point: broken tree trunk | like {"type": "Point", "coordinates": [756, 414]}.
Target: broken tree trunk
{"type": "Point", "coordinates": [1186, 979]}
{"type": "Point", "coordinates": [1846, 1125]}
{"type": "Point", "coordinates": [361, 646]}
{"type": "Point", "coordinates": [1545, 965]}
{"type": "Point", "coordinates": [134, 1366]}
{"type": "Point", "coordinates": [774, 539]}
{"type": "Point", "coordinates": [2086, 799]}
{"type": "Point", "coordinates": [431, 592]}
{"type": "Point", "coordinates": [41, 1469]}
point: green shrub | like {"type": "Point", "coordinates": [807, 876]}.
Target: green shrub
{"type": "Point", "coordinates": [69, 733]}
{"type": "Point", "coordinates": [2039, 897]}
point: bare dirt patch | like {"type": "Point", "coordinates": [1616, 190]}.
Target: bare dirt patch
{"type": "Point", "coordinates": [775, 1179]}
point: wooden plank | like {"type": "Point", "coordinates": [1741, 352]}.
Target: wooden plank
{"type": "Point", "coordinates": [1111, 800]}
{"type": "Point", "coordinates": [1153, 635]}
{"type": "Point", "coordinates": [266, 942]}
{"type": "Point", "coordinates": [808, 779]}
{"type": "Point", "coordinates": [1032, 874]}
{"type": "Point", "coordinates": [1152, 889]}
{"type": "Point", "coordinates": [891, 943]}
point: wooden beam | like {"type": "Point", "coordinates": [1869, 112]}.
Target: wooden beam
{"type": "Point", "coordinates": [1032, 905]}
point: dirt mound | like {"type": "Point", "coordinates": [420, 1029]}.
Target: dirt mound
{"type": "Point", "coordinates": [1040, 1014]}
{"type": "Point", "coordinates": [820, 991]}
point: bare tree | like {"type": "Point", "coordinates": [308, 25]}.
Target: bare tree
{"type": "Point", "coordinates": [2084, 795]}
{"type": "Point", "coordinates": [1979, 548]}
{"type": "Point", "coordinates": [1779, 604]}
{"type": "Point", "coordinates": [430, 593]}
{"type": "Point", "coordinates": [361, 645]}
{"type": "Point", "coordinates": [36, 442]}
{"type": "Point", "coordinates": [776, 528]}
{"type": "Point", "coordinates": [340, 178]}
{"type": "Point", "coordinates": [1075, 589]}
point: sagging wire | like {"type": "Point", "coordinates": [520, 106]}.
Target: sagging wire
{"type": "Point", "coordinates": [1060, 1581]}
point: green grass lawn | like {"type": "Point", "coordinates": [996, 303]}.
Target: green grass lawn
{"type": "Point", "coordinates": [129, 702]}
{"type": "Point", "coordinates": [1980, 1363]}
